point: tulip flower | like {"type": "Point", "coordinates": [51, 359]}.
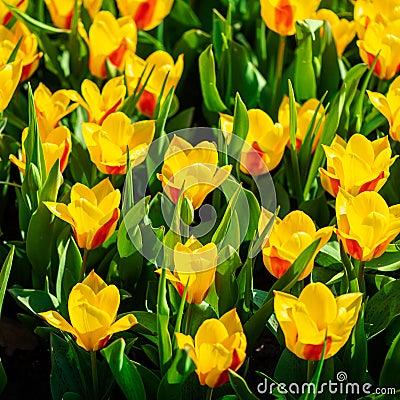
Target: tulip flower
{"type": "Point", "coordinates": [219, 345]}
{"type": "Point", "coordinates": [92, 308]}
{"type": "Point", "coordinates": [389, 106]}
{"type": "Point", "coordinates": [194, 170]}
{"type": "Point", "coordinates": [304, 116]}
{"type": "Point", "coordinates": [107, 142]}
{"type": "Point", "coordinates": [100, 104]}
{"type": "Point", "coordinates": [370, 11]}
{"type": "Point", "coordinates": [6, 14]}
{"type": "Point", "coordinates": [194, 266]}
{"type": "Point", "coordinates": [51, 107]}
{"type": "Point", "coordinates": [356, 166]}
{"type": "Point", "coordinates": [10, 75]}
{"type": "Point", "coordinates": [62, 11]}
{"type": "Point", "coordinates": [162, 68]}
{"type": "Point", "coordinates": [289, 237]}
{"type": "Point", "coordinates": [365, 224]}
{"type": "Point", "coordinates": [92, 213]}
{"type": "Point", "coordinates": [385, 41]}
{"type": "Point", "coordinates": [56, 145]}
{"type": "Point", "coordinates": [306, 321]}
{"type": "Point", "coordinates": [147, 13]}
{"type": "Point", "coordinates": [266, 142]}
{"type": "Point", "coordinates": [109, 40]}
{"type": "Point", "coordinates": [343, 30]}
{"type": "Point", "coordinates": [27, 51]}
{"type": "Point", "coordinates": [281, 15]}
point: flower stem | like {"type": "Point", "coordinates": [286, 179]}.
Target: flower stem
{"type": "Point", "coordinates": [209, 393]}
{"type": "Point", "coordinates": [278, 73]}
{"type": "Point", "coordinates": [360, 276]}
{"type": "Point", "coordinates": [310, 370]}
{"type": "Point", "coordinates": [84, 262]}
{"type": "Point", "coordinates": [95, 378]}
{"type": "Point", "coordinates": [181, 309]}
{"type": "Point", "coordinates": [188, 317]}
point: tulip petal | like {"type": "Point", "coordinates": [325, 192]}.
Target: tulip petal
{"type": "Point", "coordinates": [211, 331]}
{"type": "Point", "coordinates": [94, 281]}
{"type": "Point", "coordinates": [56, 320]}
{"type": "Point", "coordinates": [123, 324]}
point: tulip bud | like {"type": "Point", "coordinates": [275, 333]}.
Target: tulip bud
{"type": "Point", "coordinates": [187, 211]}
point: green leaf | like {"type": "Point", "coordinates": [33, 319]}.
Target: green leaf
{"type": "Point", "coordinates": [304, 76]}
{"type": "Point", "coordinates": [33, 25]}
{"type": "Point", "coordinates": [382, 308]}
{"type": "Point", "coordinates": [172, 383]}
{"type": "Point", "coordinates": [212, 99]}
{"type": "Point", "coordinates": [255, 325]}
{"type": "Point", "coordinates": [124, 370]}
{"type": "Point", "coordinates": [4, 275]}
{"type": "Point", "coordinates": [3, 378]}
{"type": "Point", "coordinates": [35, 301]}
{"type": "Point", "coordinates": [64, 376]}
{"type": "Point", "coordinates": [240, 387]}
{"type": "Point", "coordinates": [240, 127]}
{"type": "Point", "coordinates": [15, 51]}
{"type": "Point", "coordinates": [390, 370]}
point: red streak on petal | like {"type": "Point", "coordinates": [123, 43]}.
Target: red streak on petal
{"type": "Point", "coordinates": [101, 235]}
{"type": "Point", "coordinates": [103, 342]}
{"type": "Point", "coordinates": [313, 352]}
{"type": "Point", "coordinates": [284, 16]}
{"type": "Point", "coordinates": [371, 185]}
{"type": "Point", "coordinates": [64, 156]}
{"type": "Point", "coordinates": [110, 111]}
{"type": "Point", "coordinates": [378, 65]}
{"type": "Point", "coordinates": [147, 104]}
{"type": "Point", "coordinates": [117, 56]}
{"type": "Point", "coordinates": [144, 13]}
{"type": "Point", "coordinates": [354, 249]}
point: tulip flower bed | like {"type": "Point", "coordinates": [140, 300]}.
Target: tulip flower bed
{"type": "Point", "coordinates": [200, 199]}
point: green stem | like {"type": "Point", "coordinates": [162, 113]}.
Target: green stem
{"type": "Point", "coordinates": [278, 73]}
{"type": "Point", "coordinates": [180, 311]}
{"type": "Point", "coordinates": [95, 378]}
{"type": "Point", "coordinates": [84, 262]}
{"type": "Point", "coordinates": [360, 276]}
{"type": "Point", "coordinates": [209, 393]}
{"type": "Point", "coordinates": [188, 317]}
{"type": "Point", "coordinates": [11, 184]}
{"type": "Point", "coordinates": [310, 370]}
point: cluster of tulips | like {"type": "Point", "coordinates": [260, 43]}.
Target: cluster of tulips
{"type": "Point", "coordinates": [105, 100]}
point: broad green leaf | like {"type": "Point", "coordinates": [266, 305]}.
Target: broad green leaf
{"type": "Point", "coordinates": [382, 308]}
{"type": "Point", "coordinates": [4, 275]}
{"type": "Point", "coordinates": [212, 99]}
{"type": "Point", "coordinates": [35, 301]}
{"type": "Point", "coordinates": [390, 370]}
{"type": "Point", "coordinates": [240, 387]}
{"type": "Point", "coordinates": [172, 382]}
{"type": "Point", "coordinates": [124, 370]}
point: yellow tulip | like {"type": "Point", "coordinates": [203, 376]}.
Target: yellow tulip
{"type": "Point", "coordinates": [10, 75]}
{"type": "Point", "coordinates": [92, 213]}
{"type": "Point", "coordinates": [147, 13]}
{"type": "Point", "coordinates": [289, 237]}
{"type": "Point", "coordinates": [369, 11]}
{"type": "Point", "coordinates": [316, 314]}
{"type": "Point", "coordinates": [343, 30]}
{"type": "Point", "coordinates": [266, 142]}
{"type": "Point", "coordinates": [27, 51]}
{"type": "Point", "coordinates": [281, 15]}
{"type": "Point", "coordinates": [56, 145]}
{"type": "Point", "coordinates": [92, 308]}
{"type": "Point", "coordinates": [107, 142]}
{"type": "Point", "coordinates": [109, 40]}
{"type": "Point", "coordinates": [389, 106]}
{"type": "Point", "coordinates": [357, 166]}
{"type": "Point", "coordinates": [62, 11]}
{"type": "Point", "coordinates": [385, 41]}
{"type": "Point", "coordinates": [219, 345]}
{"type": "Point", "coordinates": [6, 14]}
{"type": "Point", "coordinates": [304, 116]}
{"type": "Point", "coordinates": [365, 224]}
{"type": "Point", "coordinates": [51, 108]}
{"type": "Point", "coordinates": [194, 267]}
{"type": "Point", "coordinates": [163, 67]}
{"type": "Point", "coordinates": [192, 169]}
{"type": "Point", "coordinates": [100, 104]}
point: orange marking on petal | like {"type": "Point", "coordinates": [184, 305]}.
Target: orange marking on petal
{"type": "Point", "coordinates": [313, 352]}
{"type": "Point", "coordinates": [101, 235]}
{"type": "Point", "coordinates": [284, 15]}
{"type": "Point", "coordinates": [117, 56]}
{"type": "Point", "coordinates": [110, 111]}
{"type": "Point", "coordinates": [144, 13]}
{"type": "Point", "coordinates": [354, 249]}
{"type": "Point", "coordinates": [147, 104]}
{"type": "Point", "coordinates": [371, 185]}
{"type": "Point", "coordinates": [378, 65]}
